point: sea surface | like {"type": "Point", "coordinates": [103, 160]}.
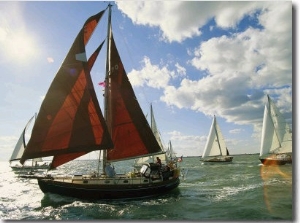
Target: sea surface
{"type": "Point", "coordinates": [243, 190]}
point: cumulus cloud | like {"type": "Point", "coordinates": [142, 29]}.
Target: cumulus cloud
{"type": "Point", "coordinates": [173, 18]}
{"type": "Point", "coordinates": [183, 19]}
{"type": "Point", "coordinates": [238, 69]}
{"type": "Point", "coordinates": [155, 76]}
{"type": "Point", "coordinates": [234, 131]}
{"type": "Point", "coordinates": [187, 144]}
{"type": "Point", "coordinates": [241, 69]}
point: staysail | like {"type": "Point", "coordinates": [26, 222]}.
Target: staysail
{"type": "Point", "coordinates": [70, 119]}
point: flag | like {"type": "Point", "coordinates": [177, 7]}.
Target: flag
{"type": "Point", "coordinates": [102, 84]}
{"type": "Point", "coordinates": [180, 159]}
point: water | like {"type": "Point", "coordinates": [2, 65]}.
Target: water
{"type": "Point", "coordinates": [240, 191]}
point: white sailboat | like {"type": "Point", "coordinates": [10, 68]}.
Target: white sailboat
{"type": "Point", "coordinates": [170, 153]}
{"type": "Point", "coordinates": [14, 161]}
{"type": "Point", "coordinates": [152, 158]}
{"type": "Point", "coordinates": [215, 149]}
{"type": "Point", "coordinates": [276, 141]}
{"type": "Point", "coordinates": [70, 124]}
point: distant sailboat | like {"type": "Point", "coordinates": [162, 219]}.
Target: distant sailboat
{"type": "Point", "coordinates": [163, 156]}
{"type": "Point", "coordinates": [70, 124]}
{"type": "Point", "coordinates": [171, 153]}
{"type": "Point", "coordinates": [19, 149]}
{"type": "Point", "coordinates": [276, 141]}
{"type": "Point", "coordinates": [215, 149]}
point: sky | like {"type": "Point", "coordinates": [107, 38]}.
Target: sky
{"type": "Point", "coordinates": [190, 59]}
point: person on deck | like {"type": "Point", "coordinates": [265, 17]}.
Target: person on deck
{"type": "Point", "coordinates": [109, 170]}
{"type": "Point", "coordinates": [158, 161]}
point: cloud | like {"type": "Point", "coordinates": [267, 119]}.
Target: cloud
{"type": "Point", "coordinates": [241, 69]}
{"type": "Point", "coordinates": [154, 76]}
{"type": "Point", "coordinates": [236, 70]}
{"type": "Point", "coordinates": [235, 131]}
{"type": "Point", "coordinates": [173, 18]}
{"type": "Point", "coordinates": [183, 19]}
{"type": "Point", "coordinates": [187, 144]}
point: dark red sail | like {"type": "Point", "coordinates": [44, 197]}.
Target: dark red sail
{"type": "Point", "coordinates": [70, 119]}
{"type": "Point", "coordinates": [64, 158]}
{"type": "Point", "coordinates": [130, 131]}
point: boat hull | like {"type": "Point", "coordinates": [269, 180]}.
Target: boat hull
{"type": "Point", "coordinates": [226, 159]}
{"type": "Point", "coordinates": [269, 162]}
{"type": "Point", "coordinates": [111, 191]}
{"type": "Point", "coordinates": [29, 167]}
{"type": "Point", "coordinates": [279, 159]}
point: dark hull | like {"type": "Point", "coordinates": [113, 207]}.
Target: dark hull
{"type": "Point", "coordinates": [227, 159]}
{"type": "Point", "coordinates": [277, 159]}
{"type": "Point", "coordinates": [269, 162]}
{"type": "Point", "coordinates": [101, 192]}
{"type": "Point", "coordinates": [16, 168]}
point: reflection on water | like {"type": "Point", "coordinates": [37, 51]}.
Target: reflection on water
{"type": "Point", "coordinates": [274, 192]}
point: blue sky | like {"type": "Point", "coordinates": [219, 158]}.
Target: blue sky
{"type": "Point", "coordinates": [191, 60]}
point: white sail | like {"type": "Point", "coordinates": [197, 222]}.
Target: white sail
{"type": "Point", "coordinates": [215, 144]}
{"type": "Point", "coordinates": [20, 146]}
{"type": "Point", "coordinates": [276, 133]}
{"type": "Point", "coordinates": [152, 158]}
{"type": "Point", "coordinates": [155, 130]}
{"type": "Point", "coordinates": [170, 152]}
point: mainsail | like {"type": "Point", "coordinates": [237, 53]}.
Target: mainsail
{"type": "Point", "coordinates": [276, 133]}
{"type": "Point", "coordinates": [130, 130]}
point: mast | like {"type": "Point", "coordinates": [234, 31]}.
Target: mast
{"type": "Point", "coordinates": [107, 82]}
{"type": "Point", "coordinates": [215, 127]}
{"type": "Point", "coordinates": [151, 115]}
{"type": "Point", "coordinates": [275, 130]}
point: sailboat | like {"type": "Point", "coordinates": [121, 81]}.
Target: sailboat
{"type": "Point", "coordinates": [276, 142]}
{"type": "Point", "coordinates": [70, 124]}
{"type": "Point", "coordinates": [215, 149]}
{"type": "Point", "coordinates": [18, 151]}
{"type": "Point", "coordinates": [163, 156]}
{"type": "Point", "coordinates": [171, 153]}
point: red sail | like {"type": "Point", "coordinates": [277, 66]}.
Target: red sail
{"type": "Point", "coordinates": [70, 119]}
{"type": "Point", "coordinates": [64, 158]}
{"type": "Point", "coordinates": [130, 131]}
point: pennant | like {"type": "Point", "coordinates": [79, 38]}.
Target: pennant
{"type": "Point", "coordinates": [102, 84]}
